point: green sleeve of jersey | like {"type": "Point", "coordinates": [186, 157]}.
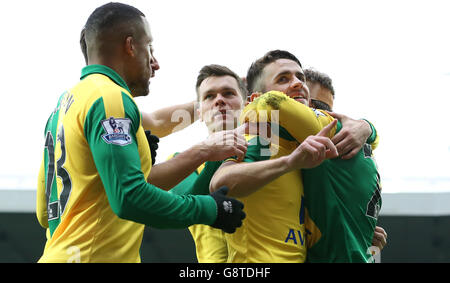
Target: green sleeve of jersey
{"type": "Point", "coordinates": [257, 150]}
{"type": "Point", "coordinates": [129, 195]}
{"type": "Point", "coordinates": [373, 136]}
{"type": "Point", "coordinates": [185, 186]}
{"type": "Point", "coordinates": [201, 185]}
{"type": "Point", "coordinates": [197, 184]}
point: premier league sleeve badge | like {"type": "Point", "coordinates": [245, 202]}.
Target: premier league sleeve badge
{"type": "Point", "coordinates": [117, 131]}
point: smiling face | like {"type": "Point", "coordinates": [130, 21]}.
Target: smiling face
{"type": "Point", "coordinates": [286, 76]}
{"type": "Point", "coordinates": [220, 103]}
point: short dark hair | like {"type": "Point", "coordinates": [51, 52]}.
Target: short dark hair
{"type": "Point", "coordinates": [215, 70]}
{"type": "Point", "coordinates": [256, 69]}
{"type": "Point", "coordinates": [322, 79]}
{"type": "Point", "coordinates": [317, 104]}
{"type": "Point", "coordinates": [106, 19]}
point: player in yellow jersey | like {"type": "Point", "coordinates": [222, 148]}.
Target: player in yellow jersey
{"type": "Point", "coordinates": [274, 230]}
{"type": "Point", "coordinates": [221, 94]}
{"type": "Point", "coordinates": [210, 242]}
{"type": "Point", "coordinates": [92, 193]}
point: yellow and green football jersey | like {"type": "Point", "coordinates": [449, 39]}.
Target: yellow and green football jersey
{"type": "Point", "coordinates": [274, 229]}
{"type": "Point", "coordinates": [338, 200]}
{"type": "Point", "coordinates": [92, 194]}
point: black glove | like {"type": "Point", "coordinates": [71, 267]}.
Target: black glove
{"type": "Point", "coordinates": [153, 143]}
{"type": "Point", "coordinates": [229, 211]}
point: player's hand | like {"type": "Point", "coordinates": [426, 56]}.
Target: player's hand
{"type": "Point", "coordinates": [379, 238]}
{"type": "Point", "coordinates": [153, 144]}
{"type": "Point", "coordinates": [224, 144]}
{"type": "Point", "coordinates": [314, 150]}
{"type": "Point", "coordinates": [351, 137]}
{"type": "Point", "coordinates": [229, 211]}
{"type": "Point", "coordinates": [262, 129]}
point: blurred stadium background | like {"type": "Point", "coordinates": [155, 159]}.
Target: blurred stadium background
{"type": "Point", "coordinates": [418, 227]}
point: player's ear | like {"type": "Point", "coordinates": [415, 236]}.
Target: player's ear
{"type": "Point", "coordinates": [129, 46]}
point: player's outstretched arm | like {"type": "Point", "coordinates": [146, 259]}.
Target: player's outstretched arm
{"type": "Point", "coordinates": [170, 119]}
{"type": "Point", "coordinates": [216, 147]}
{"type": "Point", "coordinates": [245, 178]}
